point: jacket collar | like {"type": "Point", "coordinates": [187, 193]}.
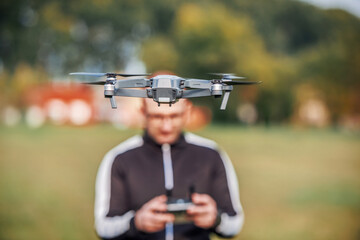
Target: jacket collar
{"type": "Point", "coordinates": [178, 143]}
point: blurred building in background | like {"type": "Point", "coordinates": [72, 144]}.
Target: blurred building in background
{"type": "Point", "coordinates": [79, 105]}
{"type": "Point", "coordinates": [59, 104]}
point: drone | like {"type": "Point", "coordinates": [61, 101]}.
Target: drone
{"type": "Point", "coordinates": [165, 89]}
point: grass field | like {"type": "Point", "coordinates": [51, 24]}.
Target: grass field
{"type": "Point", "coordinates": [294, 184]}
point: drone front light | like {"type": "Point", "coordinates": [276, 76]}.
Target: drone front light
{"type": "Point", "coordinates": [217, 89]}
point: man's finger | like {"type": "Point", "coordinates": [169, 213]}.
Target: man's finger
{"type": "Point", "coordinates": [157, 204]}
{"type": "Point", "coordinates": [158, 221]}
{"type": "Point", "coordinates": [161, 198]}
{"type": "Point", "coordinates": [198, 210]}
{"type": "Point", "coordinates": [159, 207]}
{"type": "Point", "coordinates": [163, 217]}
{"type": "Point", "coordinates": [154, 226]}
{"type": "Point", "coordinates": [201, 199]}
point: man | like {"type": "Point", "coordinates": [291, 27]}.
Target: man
{"type": "Point", "coordinates": [135, 176]}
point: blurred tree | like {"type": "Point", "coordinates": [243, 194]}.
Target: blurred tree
{"type": "Point", "coordinates": [210, 38]}
{"type": "Point", "coordinates": [332, 67]}
{"type": "Point", "coordinates": [286, 26]}
{"type": "Point", "coordinates": [159, 53]}
{"type": "Point", "coordinates": [280, 42]}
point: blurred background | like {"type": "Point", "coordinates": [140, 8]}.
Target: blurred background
{"type": "Point", "coordinates": [294, 140]}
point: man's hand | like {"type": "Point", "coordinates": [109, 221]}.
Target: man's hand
{"type": "Point", "coordinates": [204, 211]}
{"type": "Point", "coordinates": [151, 217]}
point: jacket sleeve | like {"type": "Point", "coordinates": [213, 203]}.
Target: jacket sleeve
{"type": "Point", "coordinates": [112, 221]}
{"type": "Point", "coordinates": [226, 195]}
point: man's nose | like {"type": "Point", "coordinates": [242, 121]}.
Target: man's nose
{"type": "Point", "coordinates": [166, 124]}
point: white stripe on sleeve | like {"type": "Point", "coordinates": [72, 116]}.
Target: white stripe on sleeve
{"type": "Point", "coordinates": [109, 227]}
{"type": "Point", "coordinates": [229, 225]}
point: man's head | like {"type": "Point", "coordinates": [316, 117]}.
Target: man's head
{"type": "Point", "coordinates": [164, 123]}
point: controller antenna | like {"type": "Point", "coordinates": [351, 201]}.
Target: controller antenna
{"type": "Point", "coordinates": [169, 193]}
{"type": "Point", "coordinates": [191, 190]}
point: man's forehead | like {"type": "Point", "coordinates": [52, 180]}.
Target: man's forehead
{"type": "Point", "coordinates": [153, 107]}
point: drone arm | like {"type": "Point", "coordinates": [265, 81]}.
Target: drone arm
{"type": "Point", "coordinates": [197, 83]}
{"type": "Point", "coordinates": [133, 83]}
{"type": "Point", "coordinates": [141, 93]}
{"type": "Point", "coordinates": [196, 93]}
{"type": "Point", "coordinates": [126, 93]}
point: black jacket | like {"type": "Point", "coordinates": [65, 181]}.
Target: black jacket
{"type": "Point", "coordinates": [133, 173]}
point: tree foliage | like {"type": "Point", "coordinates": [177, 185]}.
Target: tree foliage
{"type": "Point", "coordinates": [283, 43]}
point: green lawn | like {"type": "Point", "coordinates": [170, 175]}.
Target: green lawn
{"type": "Point", "coordinates": [294, 184]}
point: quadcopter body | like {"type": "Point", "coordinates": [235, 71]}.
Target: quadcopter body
{"type": "Point", "coordinates": [165, 89]}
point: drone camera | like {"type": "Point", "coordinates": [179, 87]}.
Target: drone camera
{"type": "Point", "coordinates": [164, 95]}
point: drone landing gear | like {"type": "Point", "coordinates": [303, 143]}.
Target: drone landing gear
{"type": "Point", "coordinates": [225, 100]}
{"type": "Point", "coordinates": [113, 102]}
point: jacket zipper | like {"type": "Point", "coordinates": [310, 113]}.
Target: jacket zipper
{"type": "Point", "coordinates": [169, 184]}
{"type": "Point", "coordinates": [168, 169]}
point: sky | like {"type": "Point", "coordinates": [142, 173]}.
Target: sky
{"type": "Point", "coordinates": [352, 6]}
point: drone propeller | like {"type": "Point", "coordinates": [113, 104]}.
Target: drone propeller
{"type": "Point", "coordinates": [221, 74]}
{"type": "Point", "coordinates": [109, 74]}
{"type": "Point", "coordinates": [241, 82]}
{"type": "Point", "coordinates": [132, 74]}
{"type": "Point", "coordinates": [111, 79]}
{"type": "Point", "coordinates": [123, 83]}
{"type": "Point", "coordinates": [88, 74]}
{"type": "Point", "coordinates": [95, 83]}
{"type": "Point", "coordinates": [227, 76]}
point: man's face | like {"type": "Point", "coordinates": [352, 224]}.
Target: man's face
{"type": "Point", "coordinates": [165, 124]}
